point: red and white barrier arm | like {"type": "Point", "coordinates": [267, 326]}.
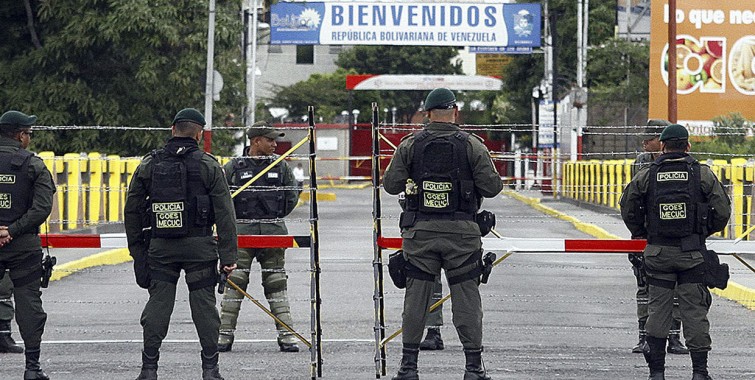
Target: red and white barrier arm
{"type": "Point", "coordinates": [581, 245]}
{"type": "Point", "coordinates": [118, 240]}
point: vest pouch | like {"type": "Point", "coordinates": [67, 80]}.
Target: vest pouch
{"type": "Point", "coordinates": [170, 214]}
{"type": "Point", "coordinates": [204, 211]}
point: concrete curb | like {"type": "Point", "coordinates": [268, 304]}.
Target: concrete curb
{"type": "Point", "coordinates": [734, 291]}
{"type": "Point", "coordinates": [111, 257]}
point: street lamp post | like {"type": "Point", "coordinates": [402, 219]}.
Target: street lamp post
{"type": "Point", "coordinates": [393, 110]}
{"type": "Point", "coordinates": [345, 116]}
{"type": "Point", "coordinates": [355, 112]}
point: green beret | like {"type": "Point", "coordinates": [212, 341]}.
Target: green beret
{"type": "Point", "coordinates": [16, 118]}
{"type": "Point", "coordinates": [674, 132]}
{"type": "Point", "coordinates": [189, 114]}
{"type": "Point", "coordinates": [440, 98]}
{"type": "Point", "coordinates": [654, 128]}
{"type": "Point", "coordinates": [263, 128]}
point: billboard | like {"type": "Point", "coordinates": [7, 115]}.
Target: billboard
{"type": "Point", "coordinates": [423, 24]}
{"type": "Point", "coordinates": [715, 45]}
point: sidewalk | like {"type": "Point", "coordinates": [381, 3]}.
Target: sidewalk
{"type": "Point", "coordinates": [605, 223]}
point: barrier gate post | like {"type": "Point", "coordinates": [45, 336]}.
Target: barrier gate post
{"type": "Point", "coordinates": [314, 251]}
{"type": "Point", "coordinates": [377, 261]}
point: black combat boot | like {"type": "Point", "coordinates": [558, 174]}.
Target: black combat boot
{"type": "Point", "coordinates": [7, 344]}
{"type": "Point", "coordinates": [33, 371]}
{"type": "Point", "coordinates": [700, 365]}
{"type": "Point", "coordinates": [642, 343]}
{"type": "Point", "coordinates": [675, 345]}
{"type": "Point", "coordinates": [655, 356]}
{"type": "Point", "coordinates": [432, 341]}
{"type": "Point", "coordinates": [149, 365]}
{"type": "Point", "coordinates": [474, 370]}
{"type": "Point", "coordinates": [225, 342]}
{"type": "Point", "coordinates": [210, 369]}
{"type": "Point", "coordinates": [408, 370]}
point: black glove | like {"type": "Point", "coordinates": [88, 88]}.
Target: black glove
{"type": "Point", "coordinates": [486, 221]}
{"type": "Point", "coordinates": [141, 271]}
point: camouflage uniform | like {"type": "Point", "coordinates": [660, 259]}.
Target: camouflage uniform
{"type": "Point", "coordinates": [272, 261]}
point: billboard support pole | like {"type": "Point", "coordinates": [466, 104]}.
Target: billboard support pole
{"type": "Point", "coordinates": [672, 117]}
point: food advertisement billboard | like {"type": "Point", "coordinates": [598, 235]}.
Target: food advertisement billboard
{"type": "Point", "coordinates": [715, 50]}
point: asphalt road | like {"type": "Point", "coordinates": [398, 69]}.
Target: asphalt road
{"type": "Point", "coordinates": [547, 316]}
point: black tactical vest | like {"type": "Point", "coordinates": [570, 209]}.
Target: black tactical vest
{"type": "Point", "coordinates": [179, 201]}
{"type": "Point", "coordinates": [443, 174]}
{"type": "Point", "coordinates": [673, 197]}
{"type": "Point", "coordinates": [16, 188]}
{"type": "Point", "coordinates": [264, 198]}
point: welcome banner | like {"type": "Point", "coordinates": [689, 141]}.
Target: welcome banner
{"type": "Point", "coordinates": [424, 24]}
{"type": "Point", "coordinates": [715, 61]}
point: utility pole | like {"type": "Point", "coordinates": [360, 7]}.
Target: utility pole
{"type": "Point", "coordinates": [209, 81]}
{"type": "Point", "coordinates": [672, 61]}
{"type": "Point", "coordinates": [251, 65]}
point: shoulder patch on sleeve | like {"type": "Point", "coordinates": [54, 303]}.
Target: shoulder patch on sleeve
{"type": "Point", "coordinates": [211, 156]}
{"type": "Point", "coordinates": [478, 137]}
{"type": "Point", "coordinates": [407, 136]}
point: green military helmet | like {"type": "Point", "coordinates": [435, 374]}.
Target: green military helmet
{"type": "Point", "coordinates": [16, 118]}
{"type": "Point", "coordinates": [674, 132]}
{"type": "Point", "coordinates": [189, 114]}
{"type": "Point", "coordinates": [440, 98]}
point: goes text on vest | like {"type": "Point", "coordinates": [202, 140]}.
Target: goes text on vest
{"type": "Point", "coordinates": [168, 214]}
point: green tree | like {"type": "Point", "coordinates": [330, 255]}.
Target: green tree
{"type": "Point", "coordinates": [730, 138]}
{"type": "Point", "coordinates": [617, 73]}
{"type": "Point", "coordinates": [117, 63]}
{"type": "Point", "coordinates": [524, 72]}
{"type": "Point", "coordinates": [328, 91]}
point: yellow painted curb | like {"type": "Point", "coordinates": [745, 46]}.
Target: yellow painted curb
{"type": "Point", "coordinates": [735, 292]}
{"type": "Point", "coordinates": [321, 196]}
{"type": "Point", "coordinates": [738, 293]}
{"type": "Point", "coordinates": [111, 257]}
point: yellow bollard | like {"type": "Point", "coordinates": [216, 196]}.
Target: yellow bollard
{"type": "Point", "coordinates": [72, 162]}
{"type": "Point", "coordinates": [94, 201]}
{"type": "Point", "coordinates": [113, 198]}
{"type": "Point", "coordinates": [736, 169]}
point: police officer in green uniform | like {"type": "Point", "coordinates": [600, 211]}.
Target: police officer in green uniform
{"type": "Point", "coordinates": [175, 197]}
{"type": "Point", "coordinates": [445, 172]}
{"type": "Point", "coordinates": [676, 203]}
{"type": "Point", "coordinates": [26, 193]}
{"type": "Point", "coordinates": [7, 344]}
{"type": "Point", "coordinates": [651, 146]}
{"type": "Point", "coordinates": [260, 209]}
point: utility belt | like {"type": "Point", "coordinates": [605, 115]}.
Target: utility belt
{"type": "Point", "coordinates": [409, 218]}
{"type": "Point", "coordinates": [476, 267]}
{"type": "Point", "coordinates": [711, 273]}
{"type": "Point", "coordinates": [691, 242]}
